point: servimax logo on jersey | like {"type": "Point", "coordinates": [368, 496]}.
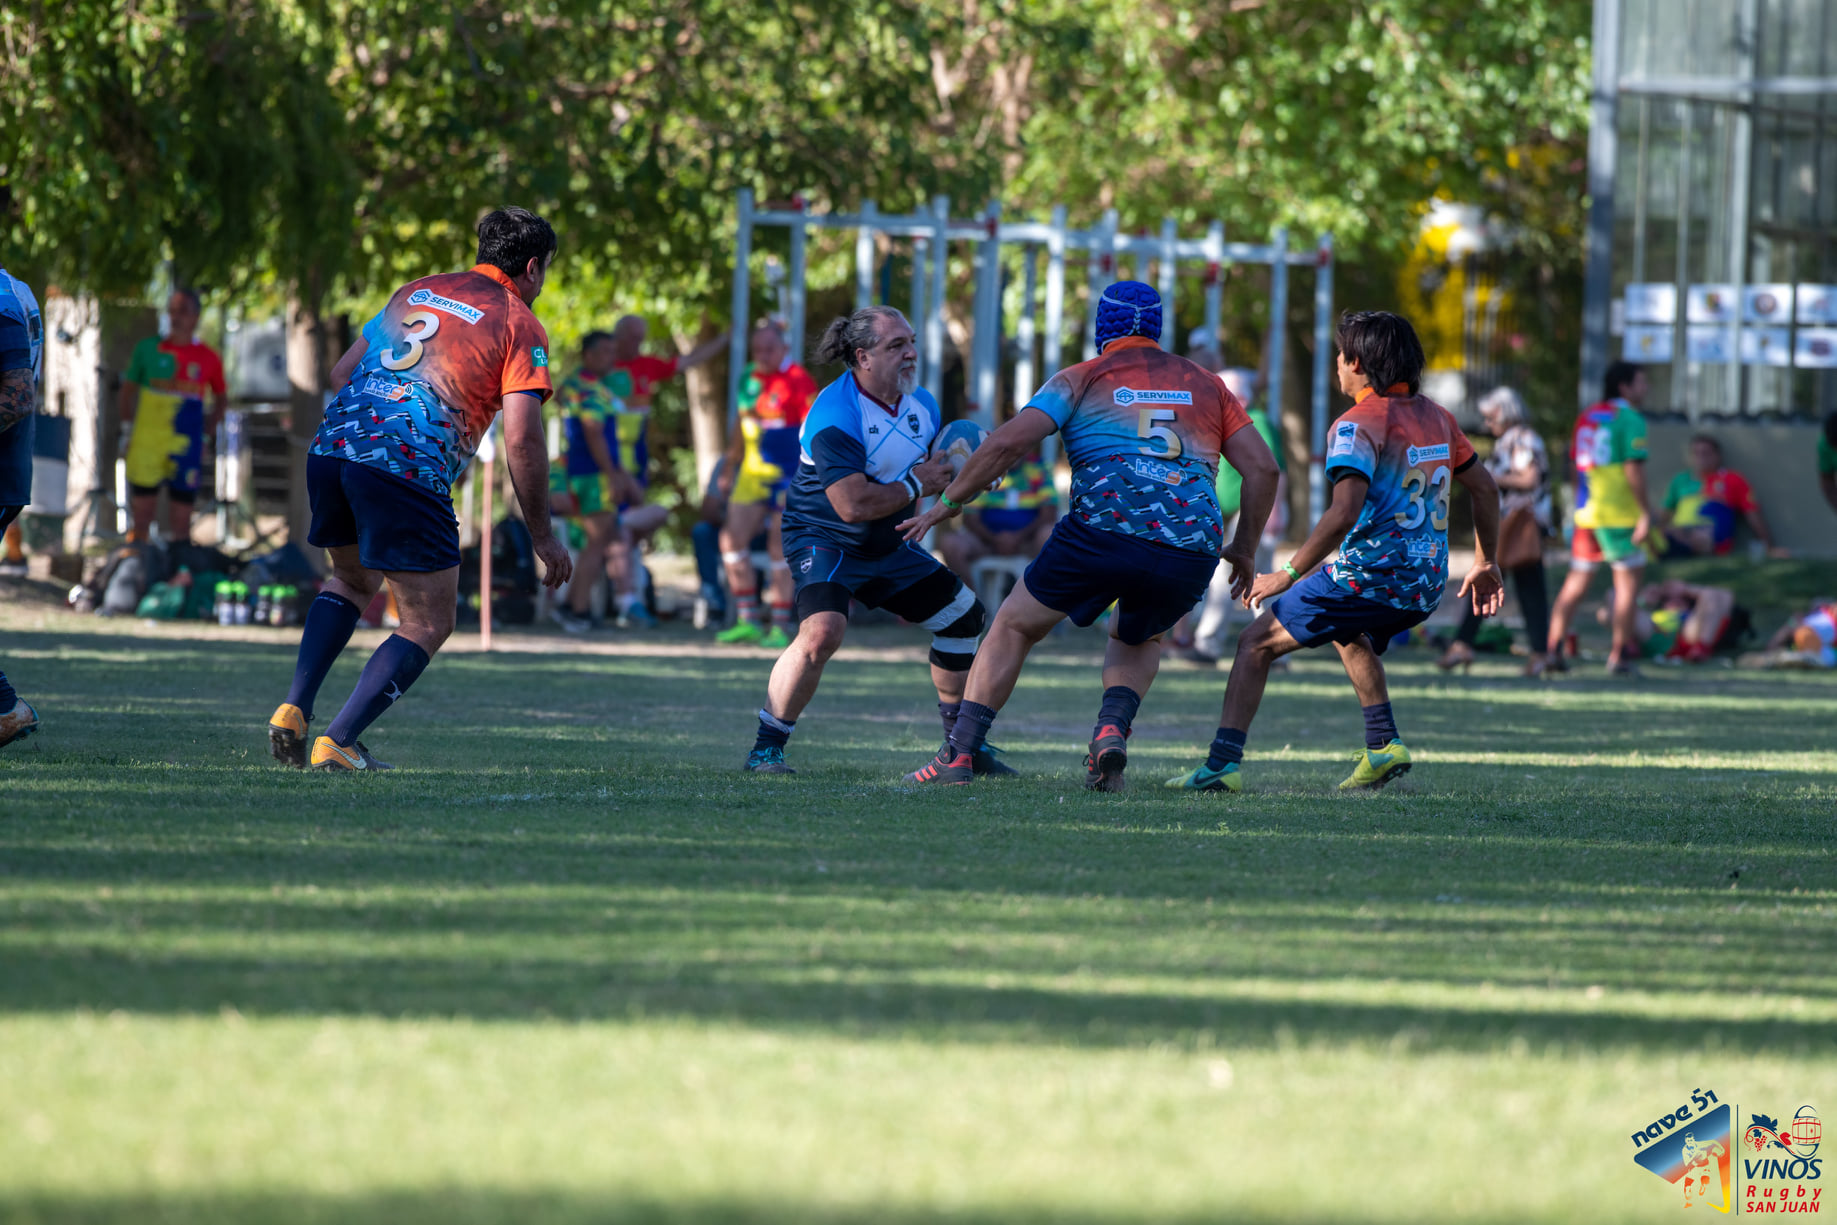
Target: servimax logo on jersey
{"type": "Point", "coordinates": [1420, 455]}
{"type": "Point", "coordinates": [1147, 395]}
{"type": "Point", "coordinates": [459, 310]}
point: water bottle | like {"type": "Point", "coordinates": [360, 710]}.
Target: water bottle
{"type": "Point", "coordinates": [225, 614]}
{"type": "Point", "coordinates": [240, 594]}
{"type": "Point", "coordinates": [264, 604]}
{"type": "Point", "coordinates": [283, 605]}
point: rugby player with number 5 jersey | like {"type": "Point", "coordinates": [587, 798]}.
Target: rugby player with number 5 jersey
{"type": "Point", "coordinates": [417, 392]}
{"type": "Point", "coordinates": [1391, 458]}
{"type": "Point", "coordinates": [1144, 430]}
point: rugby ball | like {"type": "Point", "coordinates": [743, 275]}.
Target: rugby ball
{"type": "Point", "coordinates": [956, 442]}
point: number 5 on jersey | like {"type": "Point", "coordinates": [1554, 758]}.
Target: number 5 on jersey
{"type": "Point", "coordinates": [429, 323]}
{"type": "Point", "coordinates": [1146, 427]}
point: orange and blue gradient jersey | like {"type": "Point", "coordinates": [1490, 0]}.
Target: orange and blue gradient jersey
{"type": "Point", "coordinates": [1143, 429]}
{"type": "Point", "coordinates": [440, 359]}
{"type": "Point", "coordinates": [1409, 448]}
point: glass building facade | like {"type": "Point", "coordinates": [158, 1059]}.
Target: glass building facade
{"type": "Point", "coordinates": [1724, 203]}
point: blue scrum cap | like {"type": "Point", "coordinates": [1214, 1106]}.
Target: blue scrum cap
{"type": "Point", "coordinates": [1128, 308]}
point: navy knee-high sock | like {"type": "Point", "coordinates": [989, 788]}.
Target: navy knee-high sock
{"type": "Point", "coordinates": [8, 699]}
{"type": "Point", "coordinates": [947, 714]}
{"type": "Point", "coordinates": [1119, 706]}
{"type": "Point", "coordinates": [1227, 747]}
{"type": "Point", "coordinates": [329, 622]}
{"type": "Point", "coordinates": [386, 677]}
{"type": "Point", "coordinates": [971, 729]}
{"type": "Point", "coordinates": [1380, 725]}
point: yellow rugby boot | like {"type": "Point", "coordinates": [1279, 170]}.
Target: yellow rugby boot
{"type": "Point", "coordinates": [288, 737]}
{"type": "Point", "coordinates": [328, 754]}
{"type": "Point", "coordinates": [1377, 767]}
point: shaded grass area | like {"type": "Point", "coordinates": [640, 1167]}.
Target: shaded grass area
{"type": "Point", "coordinates": [1586, 893]}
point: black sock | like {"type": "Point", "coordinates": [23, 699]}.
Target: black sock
{"type": "Point", "coordinates": [973, 722]}
{"type": "Point", "coordinates": [1380, 725]}
{"type": "Point", "coordinates": [1227, 747]}
{"type": "Point", "coordinates": [8, 699]}
{"type": "Point", "coordinates": [1118, 710]}
{"type": "Point", "coordinates": [947, 712]}
{"type": "Point", "coordinates": [329, 623]}
{"type": "Point", "coordinates": [773, 732]}
{"type": "Point", "coordinates": [386, 677]}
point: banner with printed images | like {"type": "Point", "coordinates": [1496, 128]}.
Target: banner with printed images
{"type": "Point", "coordinates": [1766, 347]}
{"type": "Point", "coordinates": [1647, 343]}
{"type": "Point", "coordinates": [1816, 349]}
{"type": "Point", "coordinates": [1709, 345]}
{"type": "Point", "coordinates": [1817, 303]}
{"type": "Point", "coordinates": [1653, 303]}
{"type": "Point", "coordinates": [1766, 304]}
{"type": "Point", "coordinates": [1711, 304]}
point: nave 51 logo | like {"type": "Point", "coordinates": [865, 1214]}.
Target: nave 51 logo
{"type": "Point", "coordinates": [1773, 1168]}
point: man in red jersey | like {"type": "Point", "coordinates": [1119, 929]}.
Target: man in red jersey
{"type": "Point", "coordinates": [418, 391]}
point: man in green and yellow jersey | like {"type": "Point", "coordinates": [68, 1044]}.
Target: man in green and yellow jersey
{"type": "Point", "coordinates": [163, 393]}
{"type": "Point", "coordinates": [1612, 514]}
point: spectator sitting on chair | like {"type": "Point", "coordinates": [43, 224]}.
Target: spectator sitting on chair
{"type": "Point", "coordinates": [1682, 621]}
{"type": "Point", "coordinates": [1827, 460]}
{"type": "Point", "coordinates": [1012, 520]}
{"type": "Point", "coordinates": [1701, 505]}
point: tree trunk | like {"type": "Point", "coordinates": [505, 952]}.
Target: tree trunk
{"type": "Point", "coordinates": [1298, 412]}
{"type": "Point", "coordinates": [308, 370]}
{"type": "Point", "coordinates": [706, 386]}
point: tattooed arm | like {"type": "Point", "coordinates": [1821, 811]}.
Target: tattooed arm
{"type": "Point", "coordinates": [17, 398]}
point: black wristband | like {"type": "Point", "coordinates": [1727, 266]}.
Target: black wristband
{"type": "Point", "coordinates": [912, 486]}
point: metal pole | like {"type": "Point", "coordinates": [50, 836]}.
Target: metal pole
{"type": "Point", "coordinates": [1024, 332]}
{"type": "Point", "coordinates": [1052, 353]}
{"type": "Point", "coordinates": [986, 384]}
{"type": "Point", "coordinates": [1215, 285]}
{"type": "Point", "coordinates": [1741, 177]}
{"type": "Point", "coordinates": [487, 452]}
{"type": "Point", "coordinates": [1603, 151]}
{"type": "Point", "coordinates": [799, 232]}
{"type": "Point", "coordinates": [1323, 340]}
{"type": "Point", "coordinates": [1170, 233]}
{"type": "Point", "coordinates": [921, 249]}
{"type": "Point", "coordinates": [1101, 264]}
{"type": "Point", "coordinates": [864, 256]}
{"type": "Point", "coordinates": [934, 308]}
{"type": "Point", "coordinates": [741, 309]}
{"type": "Point", "coordinates": [1278, 317]}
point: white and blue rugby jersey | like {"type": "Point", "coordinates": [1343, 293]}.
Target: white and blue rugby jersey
{"type": "Point", "coordinates": [847, 432]}
{"type": "Point", "coordinates": [22, 346]}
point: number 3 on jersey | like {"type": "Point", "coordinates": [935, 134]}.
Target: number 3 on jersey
{"type": "Point", "coordinates": [429, 323]}
{"type": "Point", "coordinates": [1417, 483]}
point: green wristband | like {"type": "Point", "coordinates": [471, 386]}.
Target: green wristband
{"type": "Point", "coordinates": [945, 498]}
{"type": "Point", "coordinates": [1292, 572]}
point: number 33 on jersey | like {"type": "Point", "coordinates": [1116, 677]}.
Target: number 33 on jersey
{"type": "Point", "coordinates": [1409, 448]}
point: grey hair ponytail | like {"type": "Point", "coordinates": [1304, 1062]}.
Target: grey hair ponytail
{"type": "Point", "coordinates": [845, 335]}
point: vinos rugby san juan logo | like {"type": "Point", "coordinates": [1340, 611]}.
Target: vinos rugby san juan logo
{"type": "Point", "coordinates": [1771, 1168]}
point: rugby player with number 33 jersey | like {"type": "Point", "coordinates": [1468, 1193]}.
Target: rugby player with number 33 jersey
{"type": "Point", "coordinates": [1391, 459]}
{"type": "Point", "coordinates": [416, 393]}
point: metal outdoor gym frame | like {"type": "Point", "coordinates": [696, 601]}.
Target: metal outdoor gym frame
{"type": "Point", "coordinates": [931, 233]}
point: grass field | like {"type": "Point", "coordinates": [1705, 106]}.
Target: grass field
{"type": "Point", "coordinates": [570, 964]}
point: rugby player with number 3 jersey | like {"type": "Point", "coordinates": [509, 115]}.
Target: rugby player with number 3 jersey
{"type": "Point", "coordinates": [1144, 430]}
{"type": "Point", "coordinates": [1392, 458]}
{"type": "Point", "coordinates": [416, 393]}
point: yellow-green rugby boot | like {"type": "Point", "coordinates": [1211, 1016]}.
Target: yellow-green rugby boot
{"type": "Point", "coordinates": [1377, 767]}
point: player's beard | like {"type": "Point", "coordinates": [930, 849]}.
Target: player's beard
{"type": "Point", "coordinates": [908, 380]}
